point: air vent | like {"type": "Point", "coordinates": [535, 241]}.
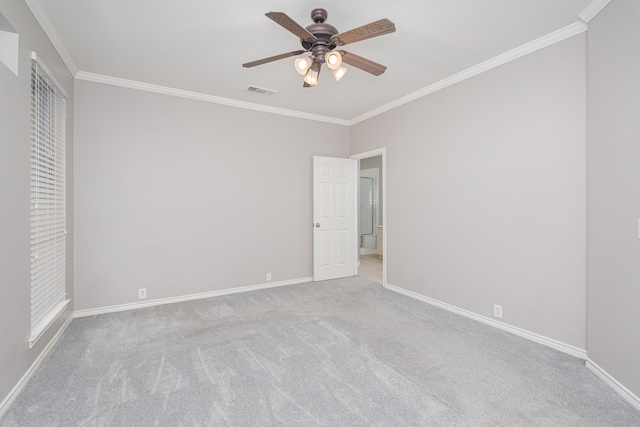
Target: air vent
{"type": "Point", "coordinates": [261, 90]}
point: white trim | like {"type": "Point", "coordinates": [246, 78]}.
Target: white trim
{"type": "Point", "coordinates": [592, 10]}
{"type": "Point", "coordinates": [356, 219]}
{"type": "Point", "coordinates": [13, 394]}
{"type": "Point", "coordinates": [163, 90]}
{"type": "Point", "coordinates": [45, 323]}
{"type": "Point", "coordinates": [525, 49]}
{"type": "Point", "coordinates": [49, 29]}
{"type": "Point", "coordinates": [171, 300]}
{"type": "Point", "coordinates": [377, 152]}
{"type": "Point", "coordinates": [624, 392]}
{"type": "Point", "coordinates": [532, 336]}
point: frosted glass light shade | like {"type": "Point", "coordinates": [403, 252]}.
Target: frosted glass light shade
{"type": "Point", "coordinates": [303, 64]}
{"type": "Point", "coordinates": [312, 77]}
{"type": "Point", "coordinates": [333, 60]}
{"type": "Point", "coordinates": [338, 73]}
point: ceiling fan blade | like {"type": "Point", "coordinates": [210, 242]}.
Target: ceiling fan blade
{"type": "Point", "coordinates": [363, 63]}
{"type": "Point", "coordinates": [374, 29]}
{"type": "Point", "coordinates": [291, 25]}
{"type": "Point", "coordinates": [273, 58]}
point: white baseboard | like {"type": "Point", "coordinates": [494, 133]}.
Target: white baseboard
{"type": "Point", "coordinates": [171, 300]}
{"type": "Point", "coordinates": [13, 394]}
{"type": "Point", "coordinates": [540, 339]}
{"type": "Point", "coordinates": [613, 383]}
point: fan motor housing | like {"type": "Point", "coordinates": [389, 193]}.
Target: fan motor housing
{"type": "Point", "coordinates": [321, 46]}
{"type": "Point", "coordinates": [323, 33]}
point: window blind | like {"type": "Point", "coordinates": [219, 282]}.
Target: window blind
{"type": "Point", "coordinates": [48, 199]}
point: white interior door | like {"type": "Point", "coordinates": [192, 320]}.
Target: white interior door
{"type": "Point", "coordinates": [334, 218]}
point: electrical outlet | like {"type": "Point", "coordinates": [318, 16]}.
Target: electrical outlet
{"type": "Point", "coordinates": [268, 277]}
{"type": "Point", "coordinates": [497, 310]}
{"type": "Point", "coordinates": [142, 293]}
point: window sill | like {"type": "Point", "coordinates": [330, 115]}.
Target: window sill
{"type": "Point", "coordinates": [41, 328]}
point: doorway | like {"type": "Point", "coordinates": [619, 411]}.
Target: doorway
{"type": "Point", "coordinates": [368, 198]}
{"type": "Point", "coordinates": [371, 236]}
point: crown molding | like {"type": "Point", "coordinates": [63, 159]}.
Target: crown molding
{"type": "Point", "coordinates": [557, 36]}
{"type": "Point", "coordinates": [525, 49]}
{"type": "Point", "coordinates": [45, 22]}
{"type": "Point", "coordinates": [592, 10]}
{"type": "Point", "coordinates": [163, 90]}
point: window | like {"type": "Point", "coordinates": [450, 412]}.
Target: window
{"type": "Point", "coordinates": [48, 199]}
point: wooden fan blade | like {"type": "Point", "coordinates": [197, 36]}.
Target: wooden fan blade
{"type": "Point", "coordinates": [363, 63]}
{"type": "Point", "coordinates": [374, 29]}
{"type": "Point", "coordinates": [291, 25]}
{"type": "Point", "coordinates": [273, 58]}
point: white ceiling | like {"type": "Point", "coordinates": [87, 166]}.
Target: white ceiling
{"type": "Point", "coordinates": [199, 45]}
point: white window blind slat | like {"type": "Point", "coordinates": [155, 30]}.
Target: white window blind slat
{"type": "Point", "coordinates": [48, 199]}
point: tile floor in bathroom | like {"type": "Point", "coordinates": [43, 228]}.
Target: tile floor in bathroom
{"type": "Point", "coordinates": [370, 267]}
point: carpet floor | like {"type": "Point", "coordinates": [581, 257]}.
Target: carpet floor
{"type": "Point", "coordinates": [345, 352]}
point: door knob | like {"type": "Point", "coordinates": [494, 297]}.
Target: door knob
{"type": "Point", "coordinates": [317, 224]}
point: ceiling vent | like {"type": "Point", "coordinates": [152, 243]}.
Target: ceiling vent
{"type": "Point", "coordinates": [261, 90]}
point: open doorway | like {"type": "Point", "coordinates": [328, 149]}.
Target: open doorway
{"type": "Point", "coordinates": [371, 195]}
{"type": "Point", "coordinates": [368, 207]}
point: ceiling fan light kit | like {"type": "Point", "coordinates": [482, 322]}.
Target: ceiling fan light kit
{"type": "Point", "coordinates": [321, 39]}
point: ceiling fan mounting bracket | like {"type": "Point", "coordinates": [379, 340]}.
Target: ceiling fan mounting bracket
{"type": "Point", "coordinates": [319, 15]}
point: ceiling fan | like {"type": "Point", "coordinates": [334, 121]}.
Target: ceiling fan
{"type": "Point", "coordinates": [322, 39]}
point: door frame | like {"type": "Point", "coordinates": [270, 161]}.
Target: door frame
{"type": "Point", "coordinates": [373, 153]}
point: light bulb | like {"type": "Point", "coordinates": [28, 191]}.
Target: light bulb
{"type": "Point", "coordinates": [333, 60]}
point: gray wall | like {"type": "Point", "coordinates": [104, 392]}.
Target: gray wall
{"type": "Point", "coordinates": [181, 196]}
{"type": "Point", "coordinates": [614, 197]}
{"type": "Point", "coordinates": [15, 137]}
{"type": "Point", "coordinates": [486, 192]}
